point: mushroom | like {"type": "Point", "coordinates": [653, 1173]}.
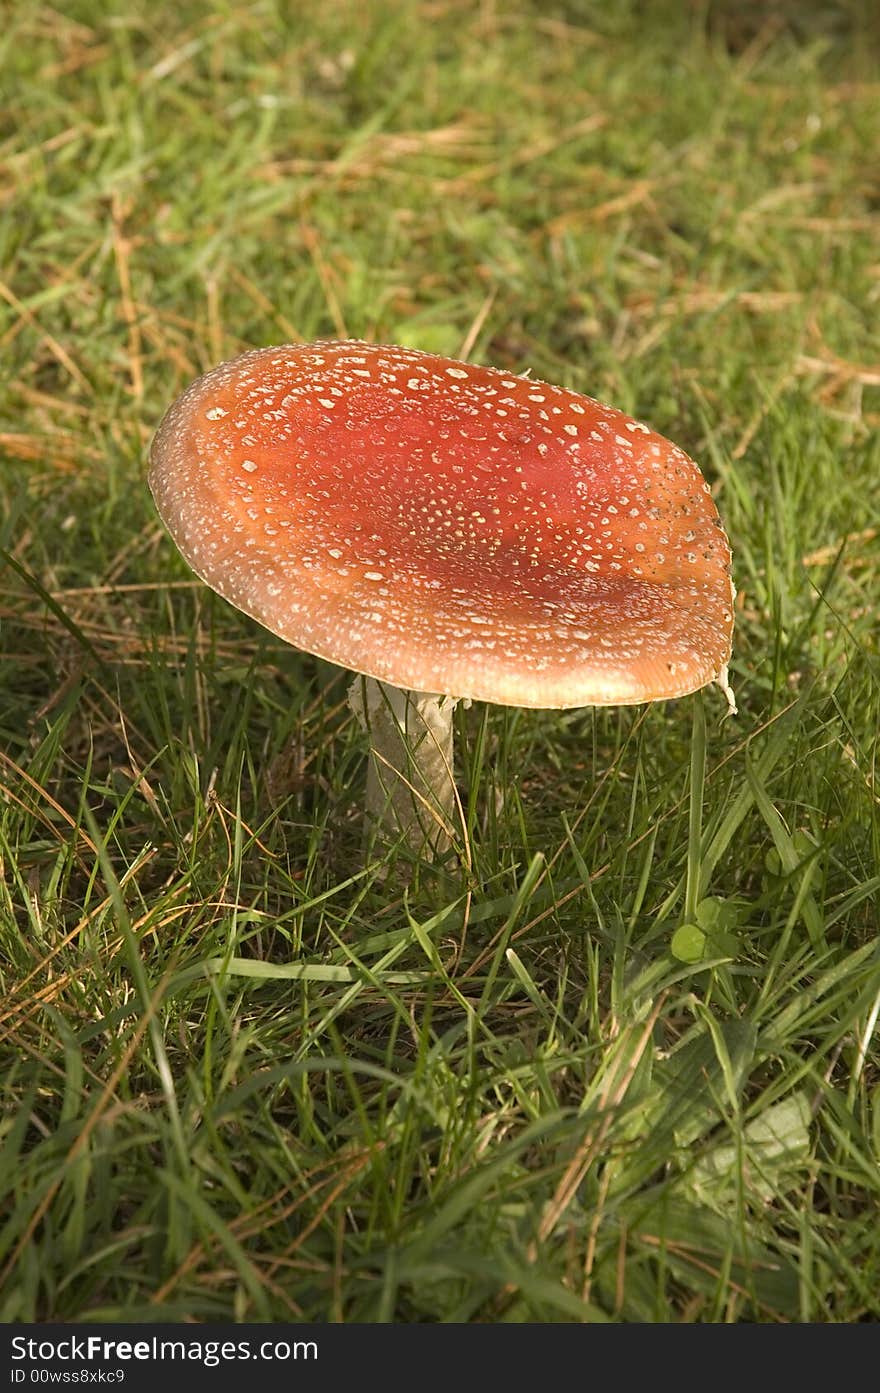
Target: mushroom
{"type": "Point", "coordinates": [447, 531]}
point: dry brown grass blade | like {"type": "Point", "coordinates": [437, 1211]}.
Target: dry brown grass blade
{"type": "Point", "coordinates": [122, 249]}
{"type": "Point", "coordinates": [823, 556]}
{"type": "Point", "coordinates": [266, 1215]}
{"type": "Point", "coordinates": [58, 351]}
{"type": "Point", "coordinates": [327, 277]}
{"type": "Point", "coordinates": [89, 1126]}
{"type": "Point", "coordinates": [62, 450]}
{"type": "Point", "coordinates": [638, 192]}
{"type": "Point", "coordinates": [47, 797]}
{"type": "Point", "coordinates": [612, 1095]}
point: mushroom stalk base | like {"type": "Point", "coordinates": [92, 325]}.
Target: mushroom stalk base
{"type": "Point", "coordinates": [410, 785]}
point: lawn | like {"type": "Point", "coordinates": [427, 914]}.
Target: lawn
{"type": "Point", "coordinates": [617, 1056]}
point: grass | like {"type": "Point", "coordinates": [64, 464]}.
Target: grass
{"type": "Point", "coordinates": [618, 1057]}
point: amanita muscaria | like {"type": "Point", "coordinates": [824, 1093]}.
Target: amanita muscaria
{"type": "Point", "coordinates": [447, 531]}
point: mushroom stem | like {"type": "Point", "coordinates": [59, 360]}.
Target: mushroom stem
{"type": "Point", "coordinates": [410, 786]}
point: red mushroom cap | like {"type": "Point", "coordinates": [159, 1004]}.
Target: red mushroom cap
{"type": "Point", "coordinates": [448, 528]}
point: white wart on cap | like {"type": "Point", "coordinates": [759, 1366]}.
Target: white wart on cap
{"type": "Point", "coordinates": [448, 528]}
